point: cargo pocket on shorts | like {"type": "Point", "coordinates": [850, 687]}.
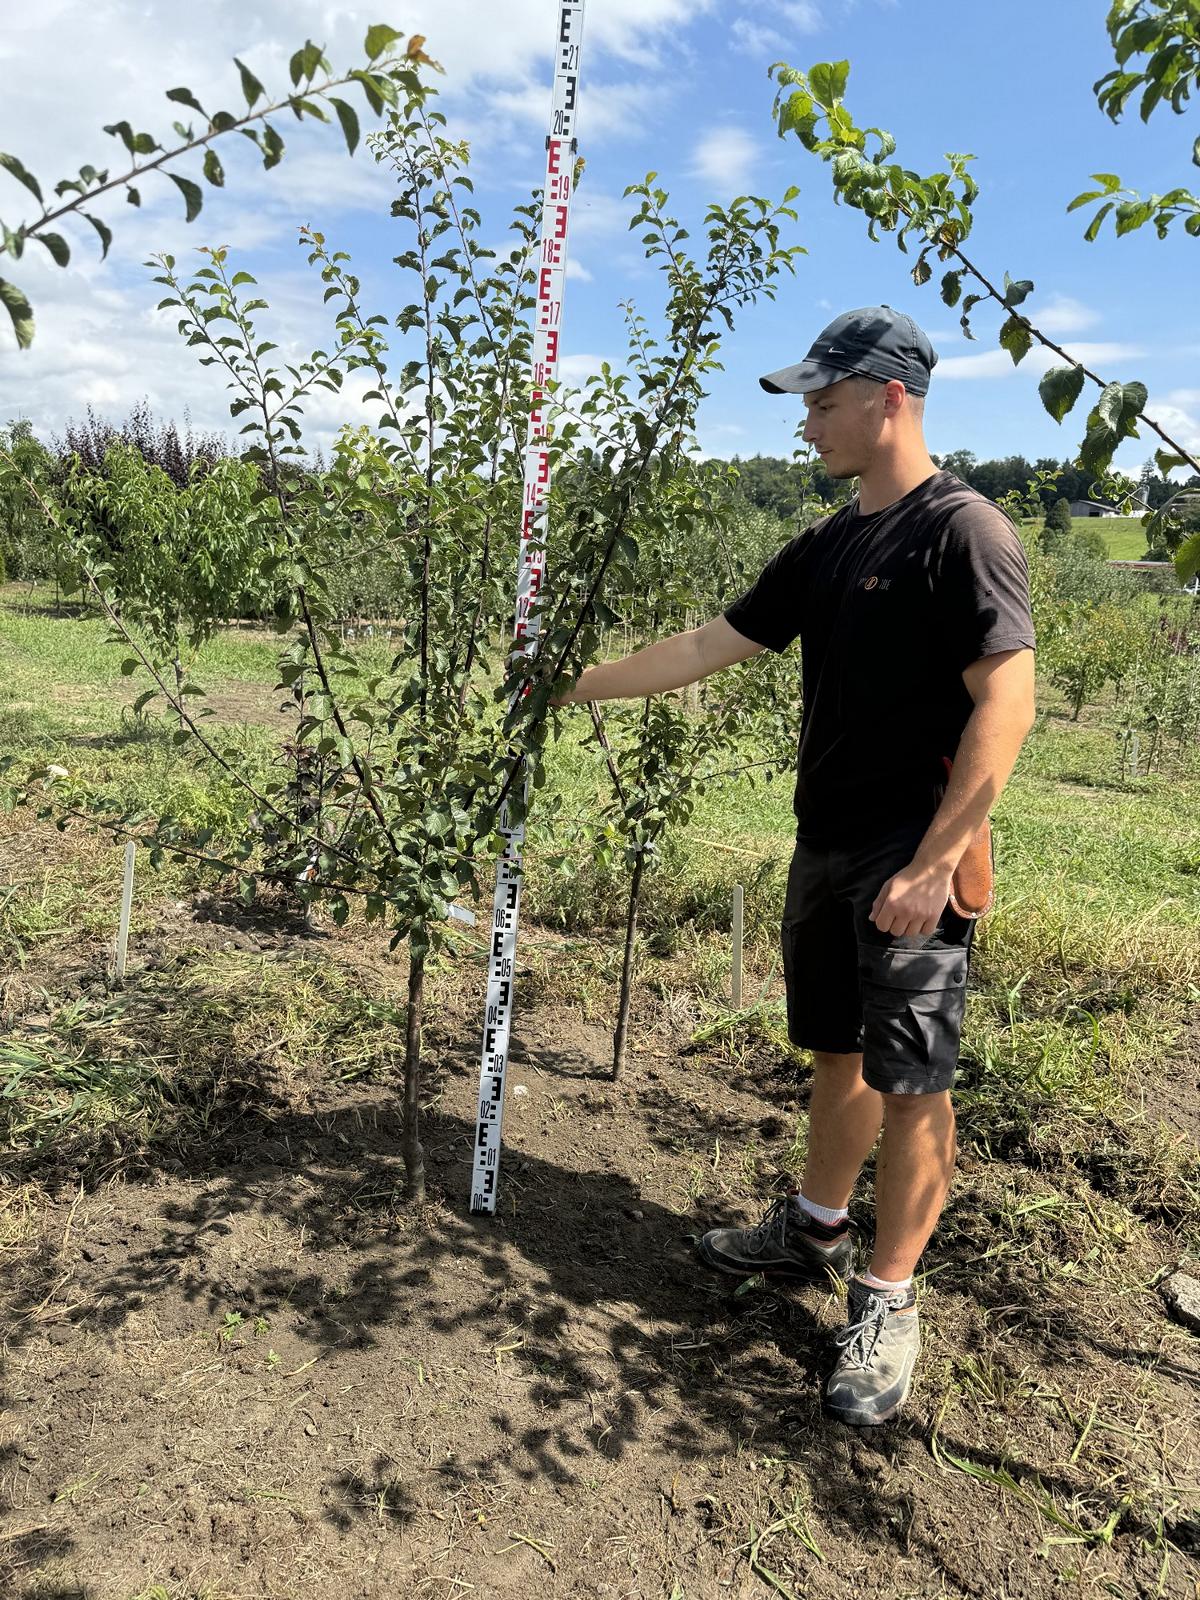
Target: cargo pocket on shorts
{"type": "Point", "coordinates": [913, 1004]}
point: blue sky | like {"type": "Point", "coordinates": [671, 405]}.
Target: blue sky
{"type": "Point", "coordinates": [679, 86]}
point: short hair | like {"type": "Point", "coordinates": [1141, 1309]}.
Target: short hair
{"type": "Point", "coordinates": [867, 387]}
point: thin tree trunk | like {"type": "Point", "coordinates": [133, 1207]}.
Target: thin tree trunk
{"type": "Point", "coordinates": [619, 1037]}
{"type": "Point", "coordinates": [178, 665]}
{"type": "Point", "coordinates": [414, 1155]}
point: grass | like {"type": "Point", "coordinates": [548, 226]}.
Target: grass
{"type": "Point", "coordinates": [107, 1077]}
{"type": "Point", "coordinates": [80, 647]}
{"type": "Point", "coordinates": [1085, 969]}
{"type": "Point", "coordinates": [1124, 536]}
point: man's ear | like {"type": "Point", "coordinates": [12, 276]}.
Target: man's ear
{"type": "Point", "coordinates": [894, 396]}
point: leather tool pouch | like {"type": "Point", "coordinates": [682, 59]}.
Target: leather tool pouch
{"type": "Point", "coordinates": [973, 886]}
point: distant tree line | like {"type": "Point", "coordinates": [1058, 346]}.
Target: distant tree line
{"type": "Point", "coordinates": [783, 487]}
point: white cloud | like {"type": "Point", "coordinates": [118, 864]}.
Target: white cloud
{"type": "Point", "coordinates": [774, 26]}
{"type": "Point", "coordinates": [98, 340]}
{"type": "Point", "coordinates": [607, 110]}
{"type": "Point", "coordinates": [1062, 315]}
{"type": "Point", "coordinates": [725, 156]}
{"type": "Point", "coordinates": [802, 16]}
{"type": "Point", "coordinates": [755, 39]}
{"type": "Point", "coordinates": [1180, 421]}
{"type": "Point", "coordinates": [999, 364]}
{"type": "Point", "coordinates": [596, 213]}
{"type": "Point", "coordinates": [576, 269]}
{"type": "Point", "coordinates": [575, 370]}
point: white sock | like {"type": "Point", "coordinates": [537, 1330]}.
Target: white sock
{"type": "Point", "coordinates": [825, 1214]}
{"type": "Point", "coordinates": [873, 1282]}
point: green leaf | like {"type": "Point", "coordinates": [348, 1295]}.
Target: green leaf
{"type": "Point", "coordinates": [251, 88]}
{"type": "Point", "coordinates": [192, 194]}
{"type": "Point", "coordinates": [57, 246]}
{"type": "Point", "coordinates": [1166, 462]}
{"type": "Point", "coordinates": [22, 175]}
{"type": "Point", "coordinates": [952, 287]}
{"type": "Point", "coordinates": [828, 80]}
{"type": "Point", "coordinates": [1113, 420]}
{"type": "Point", "coordinates": [1015, 338]}
{"type": "Point", "coordinates": [1132, 214]}
{"type": "Point", "coordinates": [213, 169]}
{"type": "Point", "coordinates": [1098, 445]}
{"type": "Point", "coordinates": [1196, 152]}
{"type": "Point", "coordinates": [922, 272]}
{"type": "Point", "coordinates": [1134, 402]}
{"type": "Point", "coordinates": [348, 118]}
{"type": "Point", "coordinates": [305, 61]}
{"type": "Point", "coordinates": [1110, 403]}
{"type": "Point", "coordinates": [1187, 559]}
{"type": "Point", "coordinates": [102, 229]}
{"type": "Point", "coordinates": [138, 144]}
{"type": "Point", "coordinates": [379, 36]}
{"type": "Point", "coordinates": [374, 98]}
{"type": "Point", "coordinates": [20, 312]}
{"type": "Point", "coordinates": [272, 147]}
{"type": "Point", "coordinates": [185, 97]}
{"type": "Point", "coordinates": [1060, 389]}
{"type": "Point", "coordinates": [1082, 199]}
{"type": "Point", "coordinates": [1015, 293]}
{"type": "Point", "coordinates": [122, 131]}
{"type": "Point", "coordinates": [1093, 227]}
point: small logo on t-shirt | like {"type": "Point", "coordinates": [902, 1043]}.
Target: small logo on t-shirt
{"type": "Point", "coordinates": [877, 583]}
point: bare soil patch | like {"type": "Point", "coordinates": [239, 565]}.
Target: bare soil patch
{"type": "Point", "coordinates": [241, 1367]}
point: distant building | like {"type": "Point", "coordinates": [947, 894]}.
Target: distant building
{"type": "Point", "coordinates": [1092, 508]}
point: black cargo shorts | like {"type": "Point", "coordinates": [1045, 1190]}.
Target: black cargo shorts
{"type": "Point", "coordinates": [900, 1000]}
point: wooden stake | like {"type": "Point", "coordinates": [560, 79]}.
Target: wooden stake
{"type": "Point", "coordinates": [126, 908]}
{"type": "Point", "coordinates": [738, 897]}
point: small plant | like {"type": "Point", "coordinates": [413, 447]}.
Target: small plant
{"type": "Point", "coordinates": [225, 1333]}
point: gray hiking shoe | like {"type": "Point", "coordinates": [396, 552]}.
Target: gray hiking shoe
{"type": "Point", "coordinates": [879, 1347]}
{"type": "Point", "coordinates": [787, 1243]}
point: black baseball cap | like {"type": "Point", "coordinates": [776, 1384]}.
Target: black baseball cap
{"type": "Point", "coordinates": [873, 342]}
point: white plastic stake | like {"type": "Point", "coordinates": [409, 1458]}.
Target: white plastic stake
{"type": "Point", "coordinates": [531, 587]}
{"type": "Point", "coordinates": [738, 897]}
{"type": "Point", "coordinates": [126, 909]}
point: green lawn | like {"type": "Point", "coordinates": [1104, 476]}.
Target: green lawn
{"type": "Point", "coordinates": [1125, 536]}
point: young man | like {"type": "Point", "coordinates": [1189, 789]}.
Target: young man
{"type": "Point", "coordinates": [911, 604]}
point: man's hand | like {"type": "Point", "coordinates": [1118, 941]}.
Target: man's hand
{"type": "Point", "coordinates": [911, 902]}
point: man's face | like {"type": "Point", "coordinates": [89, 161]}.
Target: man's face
{"type": "Point", "coordinates": [843, 425]}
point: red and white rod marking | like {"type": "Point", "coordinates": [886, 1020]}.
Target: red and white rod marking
{"type": "Point", "coordinates": [531, 567]}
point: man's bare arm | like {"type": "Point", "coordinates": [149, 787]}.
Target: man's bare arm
{"type": "Point", "coordinates": [671, 663]}
{"type": "Point", "coordinates": [1002, 687]}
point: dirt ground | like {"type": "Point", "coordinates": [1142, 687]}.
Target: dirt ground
{"type": "Point", "coordinates": [246, 1370]}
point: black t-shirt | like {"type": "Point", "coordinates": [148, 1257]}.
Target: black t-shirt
{"type": "Point", "coordinates": [889, 609]}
